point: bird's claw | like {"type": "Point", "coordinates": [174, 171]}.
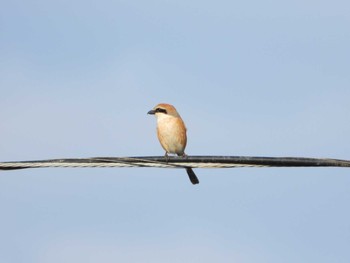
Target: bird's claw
{"type": "Point", "coordinates": [166, 157]}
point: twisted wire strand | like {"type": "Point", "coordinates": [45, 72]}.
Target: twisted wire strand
{"type": "Point", "coordinates": [178, 162]}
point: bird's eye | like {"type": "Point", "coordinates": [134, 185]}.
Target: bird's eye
{"type": "Point", "coordinates": [161, 110]}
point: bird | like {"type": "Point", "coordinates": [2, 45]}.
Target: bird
{"type": "Point", "coordinates": [171, 132]}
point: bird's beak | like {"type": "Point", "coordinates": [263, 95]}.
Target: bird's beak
{"type": "Point", "coordinates": [151, 112]}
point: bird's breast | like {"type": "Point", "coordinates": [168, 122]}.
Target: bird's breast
{"type": "Point", "coordinates": [172, 134]}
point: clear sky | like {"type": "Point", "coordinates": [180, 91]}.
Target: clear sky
{"type": "Point", "coordinates": [256, 78]}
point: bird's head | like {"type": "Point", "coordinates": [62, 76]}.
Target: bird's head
{"type": "Point", "coordinates": [164, 109]}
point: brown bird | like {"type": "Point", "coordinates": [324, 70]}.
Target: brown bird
{"type": "Point", "coordinates": [171, 131]}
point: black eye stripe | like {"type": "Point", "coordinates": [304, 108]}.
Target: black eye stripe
{"type": "Point", "coordinates": [161, 110]}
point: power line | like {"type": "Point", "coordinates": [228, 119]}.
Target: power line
{"type": "Point", "coordinates": [178, 162]}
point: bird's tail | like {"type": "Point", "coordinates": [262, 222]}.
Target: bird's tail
{"type": "Point", "coordinates": [192, 176]}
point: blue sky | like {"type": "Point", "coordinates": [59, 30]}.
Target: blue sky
{"type": "Point", "coordinates": [249, 78]}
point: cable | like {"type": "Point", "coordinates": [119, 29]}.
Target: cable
{"type": "Point", "coordinates": [178, 162]}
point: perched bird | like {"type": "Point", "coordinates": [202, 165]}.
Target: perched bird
{"type": "Point", "coordinates": [171, 131]}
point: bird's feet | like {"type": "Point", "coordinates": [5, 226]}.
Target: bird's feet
{"type": "Point", "coordinates": [166, 157]}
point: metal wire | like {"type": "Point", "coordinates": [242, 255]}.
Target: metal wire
{"type": "Point", "coordinates": [179, 162]}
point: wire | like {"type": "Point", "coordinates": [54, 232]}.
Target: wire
{"type": "Point", "coordinates": [178, 162]}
